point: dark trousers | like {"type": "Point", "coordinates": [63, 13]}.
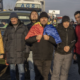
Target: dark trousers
{"type": "Point", "coordinates": [78, 60]}
{"type": "Point", "coordinates": [42, 69]}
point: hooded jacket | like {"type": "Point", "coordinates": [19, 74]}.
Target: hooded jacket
{"type": "Point", "coordinates": [67, 37]}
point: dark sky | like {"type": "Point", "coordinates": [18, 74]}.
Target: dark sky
{"type": "Point", "coordinates": [66, 7]}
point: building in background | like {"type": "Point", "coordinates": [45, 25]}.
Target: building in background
{"type": "Point", "coordinates": [1, 5]}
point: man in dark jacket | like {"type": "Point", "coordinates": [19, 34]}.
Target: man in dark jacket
{"type": "Point", "coordinates": [63, 52]}
{"type": "Point", "coordinates": [77, 45]}
{"type": "Point", "coordinates": [42, 51]}
{"type": "Point", "coordinates": [15, 45]}
{"type": "Point", "coordinates": [34, 19]}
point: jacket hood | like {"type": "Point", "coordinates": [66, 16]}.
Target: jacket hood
{"type": "Point", "coordinates": [65, 19]}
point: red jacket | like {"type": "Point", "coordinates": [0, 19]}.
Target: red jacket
{"type": "Point", "coordinates": [77, 45]}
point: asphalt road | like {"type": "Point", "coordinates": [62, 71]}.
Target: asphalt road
{"type": "Point", "coordinates": [73, 73]}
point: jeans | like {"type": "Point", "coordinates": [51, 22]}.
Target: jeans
{"type": "Point", "coordinates": [20, 69]}
{"type": "Point", "coordinates": [31, 66]}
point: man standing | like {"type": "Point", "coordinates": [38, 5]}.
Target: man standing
{"type": "Point", "coordinates": [63, 52]}
{"type": "Point", "coordinates": [42, 51]}
{"type": "Point", "coordinates": [77, 45]}
{"type": "Point", "coordinates": [15, 46]}
{"type": "Point", "coordinates": [34, 19]}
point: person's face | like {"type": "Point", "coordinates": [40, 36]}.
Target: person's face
{"type": "Point", "coordinates": [14, 21]}
{"type": "Point", "coordinates": [66, 24]}
{"type": "Point", "coordinates": [72, 23]}
{"type": "Point", "coordinates": [34, 16]}
{"type": "Point", "coordinates": [44, 21]}
{"type": "Point", "coordinates": [77, 17]}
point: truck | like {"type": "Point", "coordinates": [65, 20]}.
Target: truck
{"type": "Point", "coordinates": [30, 5]}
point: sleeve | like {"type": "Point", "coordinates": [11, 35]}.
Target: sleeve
{"type": "Point", "coordinates": [25, 30]}
{"type": "Point", "coordinates": [5, 39]}
{"type": "Point", "coordinates": [76, 41]}
{"type": "Point", "coordinates": [73, 40]}
{"type": "Point", "coordinates": [31, 40]}
{"type": "Point", "coordinates": [26, 54]}
{"type": "Point", "coordinates": [52, 40]}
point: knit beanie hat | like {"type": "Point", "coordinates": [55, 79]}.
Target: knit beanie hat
{"type": "Point", "coordinates": [43, 14]}
{"type": "Point", "coordinates": [13, 15]}
{"type": "Point", "coordinates": [65, 19]}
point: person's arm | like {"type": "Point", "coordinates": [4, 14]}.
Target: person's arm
{"type": "Point", "coordinates": [52, 40]}
{"type": "Point", "coordinates": [25, 30]}
{"type": "Point", "coordinates": [73, 40]}
{"type": "Point", "coordinates": [75, 54]}
{"type": "Point", "coordinates": [31, 40]}
{"type": "Point", "coordinates": [76, 41]}
{"type": "Point", "coordinates": [5, 39]}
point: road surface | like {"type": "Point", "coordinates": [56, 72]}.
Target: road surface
{"type": "Point", "coordinates": [73, 73]}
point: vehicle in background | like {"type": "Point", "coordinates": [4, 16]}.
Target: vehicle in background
{"type": "Point", "coordinates": [59, 19]}
{"type": "Point", "coordinates": [4, 18]}
{"type": "Point", "coordinates": [30, 5]}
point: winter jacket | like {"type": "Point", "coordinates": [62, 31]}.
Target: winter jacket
{"type": "Point", "coordinates": [14, 43]}
{"type": "Point", "coordinates": [77, 45]}
{"type": "Point", "coordinates": [68, 38]}
{"type": "Point", "coordinates": [42, 50]}
{"type": "Point", "coordinates": [30, 25]}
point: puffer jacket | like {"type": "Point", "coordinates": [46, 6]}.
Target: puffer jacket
{"type": "Point", "coordinates": [14, 43]}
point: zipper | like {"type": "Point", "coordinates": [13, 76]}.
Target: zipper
{"type": "Point", "coordinates": [66, 37]}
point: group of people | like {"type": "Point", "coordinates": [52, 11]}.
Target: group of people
{"type": "Point", "coordinates": [17, 49]}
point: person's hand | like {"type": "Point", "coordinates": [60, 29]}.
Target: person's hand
{"type": "Point", "coordinates": [46, 37]}
{"type": "Point", "coordinates": [6, 62]}
{"type": "Point", "coordinates": [74, 57]}
{"type": "Point", "coordinates": [66, 48]}
{"type": "Point", "coordinates": [39, 37]}
{"type": "Point", "coordinates": [1, 56]}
